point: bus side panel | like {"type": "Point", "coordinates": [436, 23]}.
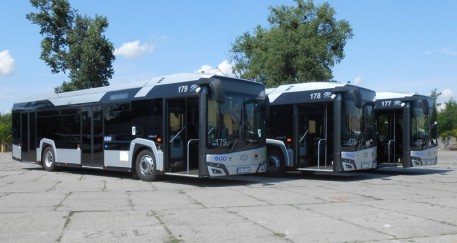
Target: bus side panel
{"type": "Point", "coordinates": [70, 156]}
{"type": "Point", "coordinates": [117, 158]}
{"type": "Point", "coordinates": [17, 152]}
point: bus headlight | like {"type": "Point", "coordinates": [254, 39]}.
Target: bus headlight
{"type": "Point", "coordinates": [416, 161]}
{"type": "Point", "coordinates": [348, 164]}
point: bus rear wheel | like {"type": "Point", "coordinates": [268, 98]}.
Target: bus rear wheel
{"type": "Point", "coordinates": [145, 166]}
{"type": "Point", "coordinates": [48, 159]}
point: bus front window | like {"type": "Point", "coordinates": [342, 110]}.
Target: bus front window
{"type": "Point", "coordinates": [358, 126]}
{"type": "Point", "coordinates": [235, 125]}
{"type": "Point", "coordinates": [420, 129]}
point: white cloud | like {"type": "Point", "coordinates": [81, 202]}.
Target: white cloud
{"type": "Point", "coordinates": [357, 80]}
{"type": "Point", "coordinates": [133, 49]}
{"type": "Point", "coordinates": [225, 68]}
{"type": "Point", "coordinates": [6, 63]}
{"type": "Point", "coordinates": [446, 51]}
{"type": "Point", "coordinates": [447, 93]}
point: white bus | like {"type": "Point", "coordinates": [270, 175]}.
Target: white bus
{"type": "Point", "coordinates": [407, 129]}
{"type": "Point", "coordinates": [321, 126]}
{"type": "Point", "coordinates": [195, 125]}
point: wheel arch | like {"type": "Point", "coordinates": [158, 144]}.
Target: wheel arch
{"type": "Point", "coordinates": [44, 143]}
{"type": "Point", "coordinates": [138, 145]}
{"type": "Point", "coordinates": [278, 145]}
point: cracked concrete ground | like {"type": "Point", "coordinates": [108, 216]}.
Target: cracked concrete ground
{"type": "Point", "coordinates": [75, 205]}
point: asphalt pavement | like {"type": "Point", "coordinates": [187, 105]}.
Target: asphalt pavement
{"type": "Point", "coordinates": [76, 205]}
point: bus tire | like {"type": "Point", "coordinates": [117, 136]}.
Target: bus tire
{"type": "Point", "coordinates": [48, 159]}
{"type": "Point", "coordinates": [145, 166]}
{"type": "Point", "coordinates": [275, 163]}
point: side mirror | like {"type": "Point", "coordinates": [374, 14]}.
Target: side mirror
{"type": "Point", "coordinates": [217, 90]}
{"type": "Point", "coordinates": [357, 97]}
{"type": "Point", "coordinates": [424, 105]}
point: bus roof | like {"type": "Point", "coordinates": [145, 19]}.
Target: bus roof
{"type": "Point", "coordinates": [399, 95]}
{"type": "Point", "coordinates": [392, 95]}
{"type": "Point", "coordinates": [274, 93]}
{"type": "Point", "coordinates": [289, 88]}
{"type": "Point", "coordinates": [176, 85]}
{"type": "Point", "coordinates": [100, 91]}
{"type": "Point", "coordinates": [122, 91]}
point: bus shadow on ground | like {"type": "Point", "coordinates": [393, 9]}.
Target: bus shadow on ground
{"type": "Point", "coordinates": [88, 172]}
{"type": "Point", "coordinates": [330, 176]}
{"type": "Point", "coordinates": [383, 173]}
{"type": "Point", "coordinates": [399, 171]}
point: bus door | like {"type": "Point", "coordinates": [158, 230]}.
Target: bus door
{"type": "Point", "coordinates": [312, 144]}
{"type": "Point", "coordinates": [28, 137]}
{"type": "Point", "coordinates": [92, 137]}
{"type": "Point", "coordinates": [390, 135]}
{"type": "Point", "coordinates": [182, 141]}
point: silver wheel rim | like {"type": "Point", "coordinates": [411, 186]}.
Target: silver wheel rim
{"type": "Point", "coordinates": [273, 164]}
{"type": "Point", "coordinates": [48, 159]}
{"type": "Point", "coordinates": [146, 165]}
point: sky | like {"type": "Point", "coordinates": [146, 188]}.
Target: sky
{"type": "Point", "coordinates": [398, 46]}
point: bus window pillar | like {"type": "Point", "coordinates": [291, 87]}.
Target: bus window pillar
{"type": "Point", "coordinates": [202, 103]}
{"type": "Point", "coordinates": [337, 148]}
{"type": "Point", "coordinates": [406, 142]}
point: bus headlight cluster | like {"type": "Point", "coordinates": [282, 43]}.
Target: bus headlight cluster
{"type": "Point", "coordinates": [416, 161]}
{"type": "Point", "coordinates": [348, 164]}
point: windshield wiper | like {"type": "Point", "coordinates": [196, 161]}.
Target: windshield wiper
{"type": "Point", "coordinates": [234, 145]}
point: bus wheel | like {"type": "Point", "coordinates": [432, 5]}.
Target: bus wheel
{"type": "Point", "coordinates": [48, 159]}
{"type": "Point", "coordinates": [275, 163]}
{"type": "Point", "coordinates": [145, 166]}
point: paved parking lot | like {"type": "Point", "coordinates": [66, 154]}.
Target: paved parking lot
{"type": "Point", "coordinates": [72, 205]}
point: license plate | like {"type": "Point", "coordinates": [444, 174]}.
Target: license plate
{"type": "Point", "coordinates": [365, 165]}
{"type": "Point", "coordinates": [430, 162]}
{"type": "Point", "coordinates": [243, 170]}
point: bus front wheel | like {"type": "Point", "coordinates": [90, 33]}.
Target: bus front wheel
{"type": "Point", "coordinates": [48, 159]}
{"type": "Point", "coordinates": [275, 163]}
{"type": "Point", "coordinates": [145, 166]}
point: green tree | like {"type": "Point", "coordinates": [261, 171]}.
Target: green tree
{"type": "Point", "coordinates": [302, 43]}
{"type": "Point", "coordinates": [5, 128]}
{"type": "Point", "coordinates": [73, 43]}
{"type": "Point", "coordinates": [447, 119]}
{"type": "Point", "coordinates": [435, 94]}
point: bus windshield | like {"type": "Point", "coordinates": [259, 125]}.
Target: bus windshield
{"type": "Point", "coordinates": [358, 126]}
{"type": "Point", "coordinates": [423, 127]}
{"type": "Point", "coordinates": [235, 125]}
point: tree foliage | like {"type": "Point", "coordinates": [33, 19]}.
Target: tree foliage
{"type": "Point", "coordinates": [5, 128]}
{"type": "Point", "coordinates": [447, 119]}
{"type": "Point", "coordinates": [302, 43]}
{"type": "Point", "coordinates": [73, 43]}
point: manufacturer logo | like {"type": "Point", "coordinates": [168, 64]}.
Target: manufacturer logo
{"type": "Point", "coordinates": [397, 102]}
{"type": "Point", "coordinates": [193, 87]}
{"type": "Point", "coordinates": [220, 158]}
{"type": "Point", "coordinates": [348, 155]}
{"type": "Point", "coordinates": [244, 157]}
{"type": "Point", "coordinates": [327, 94]}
